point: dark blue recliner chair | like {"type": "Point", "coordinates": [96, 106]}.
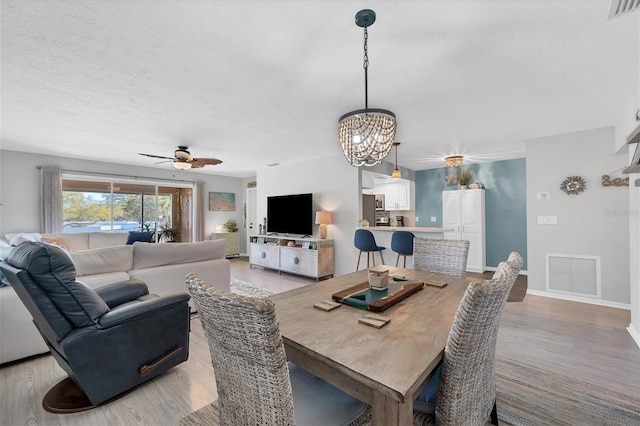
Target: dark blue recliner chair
{"type": "Point", "coordinates": [108, 340]}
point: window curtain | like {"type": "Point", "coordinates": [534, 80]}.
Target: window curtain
{"type": "Point", "coordinates": [198, 195]}
{"type": "Point", "coordinates": [51, 199]}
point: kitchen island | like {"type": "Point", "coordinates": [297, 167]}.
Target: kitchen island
{"type": "Point", "coordinates": [383, 238]}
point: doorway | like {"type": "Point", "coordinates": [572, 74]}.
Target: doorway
{"type": "Point", "coordinates": [252, 215]}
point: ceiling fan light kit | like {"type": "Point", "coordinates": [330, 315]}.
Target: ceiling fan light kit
{"type": "Point", "coordinates": [366, 135]}
{"type": "Point", "coordinates": [181, 165]}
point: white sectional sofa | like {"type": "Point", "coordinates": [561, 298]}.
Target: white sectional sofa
{"type": "Point", "coordinates": [162, 267]}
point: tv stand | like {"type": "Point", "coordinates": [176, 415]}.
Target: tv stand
{"type": "Point", "coordinates": [311, 257]}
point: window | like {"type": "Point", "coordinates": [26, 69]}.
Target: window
{"type": "Point", "coordinates": [110, 206]}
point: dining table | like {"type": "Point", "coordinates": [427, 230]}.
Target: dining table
{"type": "Point", "coordinates": [384, 367]}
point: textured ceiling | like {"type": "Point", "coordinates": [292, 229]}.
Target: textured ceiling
{"type": "Point", "coordinates": [260, 82]}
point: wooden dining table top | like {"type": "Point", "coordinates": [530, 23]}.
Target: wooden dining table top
{"type": "Point", "coordinates": [383, 367]}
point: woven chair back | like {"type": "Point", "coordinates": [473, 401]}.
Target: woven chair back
{"type": "Point", "coordinates": [247, 354]}
{"type": "Point", "coordinates": [441, 256]}
{"type": "Point", "coordinates": [467, 390]}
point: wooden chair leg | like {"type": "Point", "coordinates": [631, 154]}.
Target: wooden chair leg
{"type": "Point", "coordinates": [494, 414]}
{"type": "Point", "coordinates": [368, 259]}
{"type": "Point", "coordinates": [358, 264]}
{"type": "Point", "coordinates": [381, 257]}
{"type": "Point", "coordinates": [404, 264]}
{"type": "Point", "coordinates": [397, 259]}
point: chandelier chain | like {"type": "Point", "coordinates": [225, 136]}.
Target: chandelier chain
{"type": "Point", "coordinates": [365, 65]}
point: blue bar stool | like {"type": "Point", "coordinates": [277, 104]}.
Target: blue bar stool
{"type": "Point", "coordinates": [365, 241]}
{"type": "Point", "coordinates": [402, 243]}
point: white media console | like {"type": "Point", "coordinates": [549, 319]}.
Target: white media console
{"type": "Point", "coordinates": [311, 257]}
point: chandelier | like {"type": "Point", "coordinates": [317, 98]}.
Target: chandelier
{"type": "Point", "coordinates": [366, 135]}
{"type": "Point", "coordinates": [453, 160]}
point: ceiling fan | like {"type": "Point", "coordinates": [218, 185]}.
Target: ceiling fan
{"type": "Point", "coordinates": [183, 160]}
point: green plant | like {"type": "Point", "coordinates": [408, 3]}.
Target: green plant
{"type": "Point", "coordinates": [167, 233]}
{"type": "Point", "coordinates": [465, 176]}
{"type": "Point", "coordinates": [231, 226]}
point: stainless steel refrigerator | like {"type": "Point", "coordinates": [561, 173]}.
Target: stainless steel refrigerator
{"type": "Point", "coordinates": [369, 208]}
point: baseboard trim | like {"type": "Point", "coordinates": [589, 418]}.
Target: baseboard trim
{"type": "Point", "coordinates": [634, 334]}
{"type": "Point", "coordinates": [573, 298]}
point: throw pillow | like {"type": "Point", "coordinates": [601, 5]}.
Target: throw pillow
{"type": "Point", "coordinates": [55, 242]}
{"type": "Point", "coordinates": [143, 237]}
{"type": "Point", "coordinates": [22, 237]}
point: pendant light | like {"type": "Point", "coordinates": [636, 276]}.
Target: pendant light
{"type": "Point", "coordinates": [366, 135]}
{"type": "Point", "coordinates": [396, 172]}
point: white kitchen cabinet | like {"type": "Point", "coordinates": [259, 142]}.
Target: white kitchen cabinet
{"type": "Point", "coordinates": [397, 195]}
{"type": "Point", "coordinates": [463, 210]}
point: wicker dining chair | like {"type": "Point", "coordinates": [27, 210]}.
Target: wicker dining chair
{"type": "Point", "coordinates": [256, 385]}
{"type": "Point", "coordinates": [463, 389]}
{"type": "Point", "coordinates": [441, 256]}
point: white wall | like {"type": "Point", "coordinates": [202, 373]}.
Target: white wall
{"type": "Point", "coordinates": [592, 223]}
{"type": "Point", "coordinates": [634, 253]}
{"type": "Point", "coordinates": [20, 188]}
{"type": "Point", "coordinates": [335, 187]}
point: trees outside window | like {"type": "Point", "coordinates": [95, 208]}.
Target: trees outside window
{"type": "Point", "coordinates": [93, 206]}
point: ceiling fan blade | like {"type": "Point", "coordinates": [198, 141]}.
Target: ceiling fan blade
{"type": "Point", "coordinates": [197, 163]}
{"type": "Point", "coordinates": [157, 156]}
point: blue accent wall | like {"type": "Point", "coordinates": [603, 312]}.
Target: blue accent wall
{"type": "Point", "coordinates": [505, 204]}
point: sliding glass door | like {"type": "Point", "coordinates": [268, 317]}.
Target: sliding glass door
{"type": "Point", "coordinates": [112, 206]}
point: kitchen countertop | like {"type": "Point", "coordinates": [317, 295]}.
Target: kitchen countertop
{"type": "Point", "coordinates": [408, 228]}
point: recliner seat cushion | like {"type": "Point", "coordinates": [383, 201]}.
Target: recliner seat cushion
{"type": "Point", "coordinates": [52, 268]}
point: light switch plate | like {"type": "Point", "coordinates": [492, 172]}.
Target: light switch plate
{"type": "Point", "coordinates": [547, 220]}
{"type": "Point", "coordinates": [543, 196]}
{"type": "Point", "coordinates": [417, 219]}
{"type": "Point", "coordinates": [434, 219]}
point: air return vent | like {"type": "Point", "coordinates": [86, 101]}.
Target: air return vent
{"type": "Point", "coordinates": [573, 274]}
{"type": "Point", "coordinates": [620, 7]}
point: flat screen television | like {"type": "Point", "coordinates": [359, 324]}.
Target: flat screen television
{"type": "Point", "coordinates": [290, 214]}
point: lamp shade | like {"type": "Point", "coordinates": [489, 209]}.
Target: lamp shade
{"type": "Point", "coordinates": [324, 217]}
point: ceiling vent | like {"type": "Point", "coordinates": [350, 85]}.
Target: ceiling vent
{"type": "Point", "coordinates": [620, 7]}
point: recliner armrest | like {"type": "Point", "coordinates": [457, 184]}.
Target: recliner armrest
{"type": "Point", "coordinates": [125, 291]}
{"type": "Point", "coordinates": [130, 311]}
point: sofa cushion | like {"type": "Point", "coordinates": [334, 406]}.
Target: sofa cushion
{"type": "Point", "coordinates": [143, 237]}
{"type": "Point", "coordinates": [103, 260]}
{"type": "Point", "coordinates": [106, 239]}
{"type": "Point", "coordinates": [147, 255]}
{"type": "Point", "coordinates": [72, 241]}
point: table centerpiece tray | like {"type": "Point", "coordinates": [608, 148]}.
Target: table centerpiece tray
{"type": "Point", "coordinates": [363, 297]}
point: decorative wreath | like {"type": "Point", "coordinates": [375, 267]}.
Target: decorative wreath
{"type": "Point", "coordinates": [573, 185]}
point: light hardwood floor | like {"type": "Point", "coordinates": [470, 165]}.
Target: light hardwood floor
{"type": "Point", "coordinates": [583, 341]}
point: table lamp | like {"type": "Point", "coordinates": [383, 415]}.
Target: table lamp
{"type": "Point", "coordinates": [323, 218]}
